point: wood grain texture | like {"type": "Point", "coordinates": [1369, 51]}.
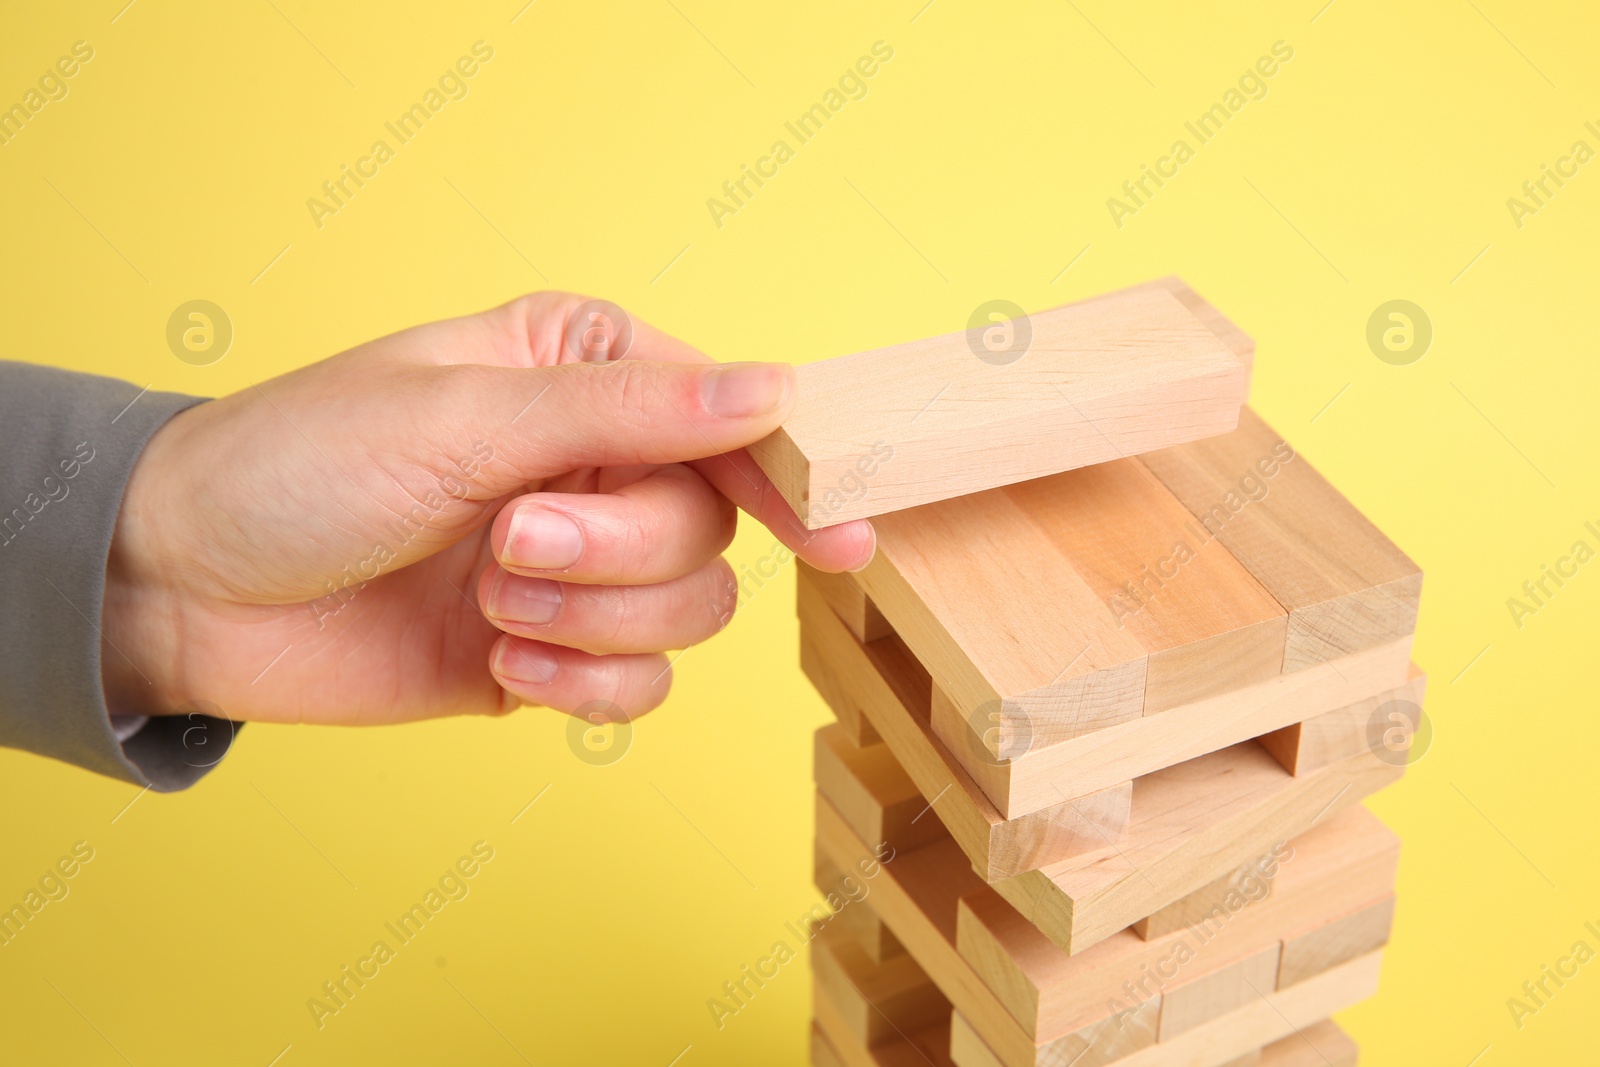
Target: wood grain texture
{"type": "Point", "coordinates": [1136, 747]}
{"type": "Point", "coordinates": [893, 428]}
{"type": "Point", "coordinates": [1191, 824]}
{"type": "Point", "coordinates": [1340, 865]}
{"type": "Point", "coordinates": [1255, 877]}
{"type": "Point", "coordinates": [885, 679]}
{"type": "Point", "coordinates": [1345, 585]}
{"type": "Point", "coordinates": [1187, 1005]}
{"type": "Point", "coordinates": [871, 1002]}
{"type": "Point", "coordinates": [1314, 949]}
{"type": "Point", "coordinates": [1237, 341]}
{"type": "Point", "coordinates": [1290, 1026]}
{"type": "Point", "coordinates": [1008, 629]}
{"type": "Point", "coordinates": [1317, 742]}
{"type": "Point", "coordinates": [1207, 627]}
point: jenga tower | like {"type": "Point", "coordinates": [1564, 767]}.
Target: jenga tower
{"type": "Point", "coordinates": [1108, 699]}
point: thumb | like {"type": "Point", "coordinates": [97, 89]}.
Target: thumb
{"type": "Point", "coordinates": [545, 421]}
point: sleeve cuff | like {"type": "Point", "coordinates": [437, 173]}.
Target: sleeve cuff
{"type": "Point", "coordinates": [70, 443]}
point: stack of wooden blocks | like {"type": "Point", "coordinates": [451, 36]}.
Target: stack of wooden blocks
{"type": "Point", "coordinates": [1107, 700]}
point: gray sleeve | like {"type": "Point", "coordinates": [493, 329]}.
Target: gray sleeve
{"type": "Point", "coordinates": [68, 443]}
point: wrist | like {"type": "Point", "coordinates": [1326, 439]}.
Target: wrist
{"type": "Point", "coordinates": [138, 620]}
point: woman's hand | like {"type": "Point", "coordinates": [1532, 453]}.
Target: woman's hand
{"type": "Point", "coordinates": [458, 518]}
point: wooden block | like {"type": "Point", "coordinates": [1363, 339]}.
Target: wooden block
{"type": "Point", "coordinates": [1317, 742]}
{"type": "Point", "coordinates": [1008, 628]}
{"type": "Point", "coordinates": [1321, 1044]}
{"type": "Point", "coordinates": [1238, 342]}
{"type": "Point", "coordinates": [1255, 877]}
{"type": "Point", "coordinates": [1191, 1004]}
{"type": "Point", "coordinates": [1207, 628]}
{"type": "Point", "coordinates": [926, 1048]}
{"type": "Point", "coordinates": [1249, 1059]}
{"type": "Point", "coordinates": [885, 679]}
{"type": "Point", "coordinates": [857, 917]}
{"type": "Point", "coordinates": [848, 602]}
{"type": "Point", "coordinates": [1045, 775]}
{"type": "Point", "coordinates": [845, 709]}
{"type": "Point", "coordinates": [870, 790]}
{"type": "Point", "coordinates": [1351, 858]}
{"type": "Point", "coordinates": [1282, 1024]}
{"type": "Point", "coordinates": [916, 893]}
{"type": "Point", "coordinates": [1313, 950]}
{"type": "Point", "coordinates": [1345, 585]}
{"type": "Point", "coordinates": [1191, 824]}
{"type": "Point", "coordinates": [892, 428]}
{"type": "Point", "coordinates": [872, 1002]}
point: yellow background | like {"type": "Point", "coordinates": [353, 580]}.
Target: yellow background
{"type": "Point", "coordinates": [1377, 167]}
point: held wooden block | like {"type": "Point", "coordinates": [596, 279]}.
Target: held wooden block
{"type": "Point", "coordinates": [892, 428]}
{"type": "Point", "coordinates": [872, 1002]}
{"type": "Point", "coordinates": [1307, 746]}
{"type": "Point", "coordinates": [1349, 858]}
{"type": "Point", "coordinates": [886, 680]}
{"type": "Point", "coordinates": [1044, 775]}
{"type": "Point", "coordinates": [1191, 824]}
{"type": "Point", "coordinates": [872, 792]}
{"type": "Point", "coordinates": [1345, 585]}
{"type": "Point", "coordinates": [1237, 341]}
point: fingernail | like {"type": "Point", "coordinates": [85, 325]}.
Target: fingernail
{"type": "Point", "coordinates": [872, 548]}
{"type": "Point", "coordinates": [744, 390]}
{"type": "Point", "coordinates": [526, 661]}
{"type": "Point", "coordinates": [531, 600]}
{"type": "Point", "coordinates": [541, 539]}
